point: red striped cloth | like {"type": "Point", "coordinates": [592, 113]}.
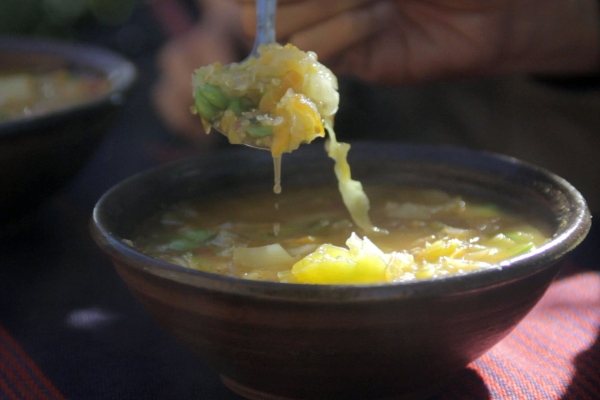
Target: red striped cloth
{"type": "Point", "coordinates": [20, 378]}
{"type": "Point", "coordinates": [553, 354]}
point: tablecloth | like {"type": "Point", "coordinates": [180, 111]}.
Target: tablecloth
{"type": "Point", "coordinates": [554, 353]}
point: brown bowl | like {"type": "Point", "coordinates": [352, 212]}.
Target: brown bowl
{"type": "Point", "coordinates": [289, 341]}
{"type": "Point", "coordinates": [40, 154]}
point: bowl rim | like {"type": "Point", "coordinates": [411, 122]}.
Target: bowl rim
{"type": "Point", "coordinates": [120, 71]}
{"type": "Point", "coordinates": [568, 237]}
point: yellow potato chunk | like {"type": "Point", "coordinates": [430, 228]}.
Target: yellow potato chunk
{"type": "Point", "coordinates": [361, 263]}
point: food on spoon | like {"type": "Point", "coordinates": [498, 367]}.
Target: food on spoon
{"type": "Point", "coordinates": [310, 239]}
{"type": "Point", "coordinates": [277, 101]}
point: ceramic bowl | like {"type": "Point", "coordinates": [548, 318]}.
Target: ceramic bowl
{"type": "Point", "coordinates": [291, 341]}
{"type": "Point", "coordinates": [41, 153]}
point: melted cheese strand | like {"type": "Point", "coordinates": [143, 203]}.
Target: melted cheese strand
{"type": "Point", "coordinates": [353, 195]}
{"type": "Point", "coordinates": [277, 174]}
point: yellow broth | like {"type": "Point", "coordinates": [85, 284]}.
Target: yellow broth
{"type": "Point", "coordinates": [302, 236]}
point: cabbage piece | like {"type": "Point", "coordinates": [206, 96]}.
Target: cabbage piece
{"type": "Point", "coordinates": [265, 257]}
{"type": "Point", "coordinates": [354, 197]}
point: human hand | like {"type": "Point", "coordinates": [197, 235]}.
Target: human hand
{"type": "Point", "coordinates": [216, 37]}
{"type": "Point", "coordinates": [411, 41]}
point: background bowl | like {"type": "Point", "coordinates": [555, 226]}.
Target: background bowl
{"type": "Point", "coordinates": [282, 341]}
{"type": "Point", "coordinates": [40, 154]}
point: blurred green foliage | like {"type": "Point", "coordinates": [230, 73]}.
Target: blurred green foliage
{"type": "Point", "coordinates": [61, 17]}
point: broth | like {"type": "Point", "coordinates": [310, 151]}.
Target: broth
{"type": "Point", "coordinates": [305, 235]}
{"type": "Point", "coordinates": [25, 93]}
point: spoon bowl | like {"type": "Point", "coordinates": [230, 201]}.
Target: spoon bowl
{"type": "Point", "coordinates": [278, 98]}
{"type": "Point", "coordinates": [265, 24]}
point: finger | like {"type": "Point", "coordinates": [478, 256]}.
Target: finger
{"type": "Point", "coordinates": [293, 16]}
{"type": "Point", "coordinates": [345, 30]}
{"type": "Point", "coordinates": [174, 112]}
{"type": "Point", "coordinates": [172, 98]}
{"type": "Point", "coordinates": [360, 61]}
{"type": "Point", "coordinates": [298, 16]}
{"type": "Point", "coordinates": [176, 69]}
{"type": "Point", "coordinates": [172, 95]}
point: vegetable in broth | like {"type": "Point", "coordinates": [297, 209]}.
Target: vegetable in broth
{"type": "Point", "coordinates": [307, 237]}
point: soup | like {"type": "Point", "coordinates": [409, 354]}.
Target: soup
{"type": "Point", "coordinates": [25, 93]}
{"type": "Point", "coordinates": [305, 235]}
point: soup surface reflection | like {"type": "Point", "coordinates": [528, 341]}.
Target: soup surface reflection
{"type": "Point", "coordinates": [305, 235]}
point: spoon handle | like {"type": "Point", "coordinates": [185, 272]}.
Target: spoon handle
{"type": "Point", "coordinates": [265, 23]}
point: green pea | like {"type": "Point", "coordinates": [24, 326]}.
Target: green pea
{"type": "Point", "coordinates": [259, 130]}
{"type": "Point", "coordinates": [236, 105]}
{"type": "Point", "coordinates": [214, 95]}
{"type": "Point", "coordinates": [206, 110]}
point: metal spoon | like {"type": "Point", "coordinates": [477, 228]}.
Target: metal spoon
{"type": "Point", "coordinates": [265, 33]}
{"type": "Point", "coordinates": [265, 24]}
